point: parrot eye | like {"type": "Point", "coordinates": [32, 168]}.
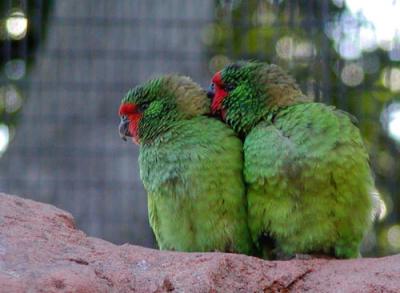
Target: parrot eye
{"type": "Point", "coordinates": [229, 87]}
{"type": "Point", "coordinates": [211, 91]}
{"type": "Point", "coordinates": [143, 107]}
{"type": "Point", "coordinates": [124, 118]}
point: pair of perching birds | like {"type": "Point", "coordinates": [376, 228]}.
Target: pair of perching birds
{"type": "Point", "coordinates": [272, 174]}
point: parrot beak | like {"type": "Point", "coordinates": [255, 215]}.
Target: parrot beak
{"type": "Point", "coordinates": [210, 91]}
{"type": "Point", "coordinates": [124, 128]}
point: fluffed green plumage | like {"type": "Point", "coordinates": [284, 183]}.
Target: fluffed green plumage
{"type": "Point", "coordinates": [191, 166]}
{"type": "Point", "coordinates": [306, 166]}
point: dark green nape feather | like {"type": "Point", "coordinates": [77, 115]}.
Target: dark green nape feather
{"type": "Point", "coordinates": [258, 90]}
{"type": "Point", "coordinates": [244, 105]}
{"type": "Point", "coordinates": [164, 101]}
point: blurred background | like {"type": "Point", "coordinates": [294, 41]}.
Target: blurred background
{"type": "Point", "coordinates": [65, 64]}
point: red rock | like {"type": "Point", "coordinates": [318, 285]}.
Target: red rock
{"type": "Point", "coordinates": [42, 251]}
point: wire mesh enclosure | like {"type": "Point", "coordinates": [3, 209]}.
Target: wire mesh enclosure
{"type": "Point", "coordinates": [65, 66]}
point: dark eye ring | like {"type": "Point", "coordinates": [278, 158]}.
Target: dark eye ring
{"type": "Point", "coordinates": [143, 107]}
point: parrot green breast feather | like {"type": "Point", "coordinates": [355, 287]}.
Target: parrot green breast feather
{"type": "Point", "coordinates": [309, 181]}
{"type": "Point", "coordinates": [196, 196]}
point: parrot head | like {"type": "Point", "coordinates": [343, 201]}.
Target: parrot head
{"type": "Point", "coordinates": [243, 93]}
{"type": "Point", "coordinates": [150, 109]}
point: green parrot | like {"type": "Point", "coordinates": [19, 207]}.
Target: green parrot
{"type": "Point", "coordinates": [191, 166]}
{"type": "Point", "coordinates": [305, 164]}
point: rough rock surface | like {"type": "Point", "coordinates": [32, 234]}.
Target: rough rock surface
{"type": "Point", "coordinates": [42, 251]}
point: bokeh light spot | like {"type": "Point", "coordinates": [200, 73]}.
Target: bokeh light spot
{"type": "Point", "coordinates": [391, 78]}
{"type": "Point", "coordinates": [17, 25]}
{"type": "Point", "coordinates": [4, 138]}
{"type": "Point", "coordinates": [390, 118]}
{"type": "Point", "coordinates": [349, 49]}
{"type": "Point", "coordinates": [15, 69]}
{"type": "Point", "coordinates": [352, 74]}
{"type": "Point", "coordinates": [284, 48]}
{"type": "Point", "coordinates": [263, 15]}
{"type": "Point", "coordinates": [393, 236]}
{"type": "Point", "coordinates": [10, 98]}
{"type": "Point", "coordinates": [218, 62]}
{"type": "Point", "coordinates": [287, 48]}
{"type": "Point", "coordinates": [304, 50]}
{"type": "Point", "coordinates": [394, 126]}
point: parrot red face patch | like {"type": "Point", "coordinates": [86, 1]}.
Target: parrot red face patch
{"type": "Point", "coordinates": [130, 111]}
{"type": "Point", "coordinates": [219, 95]}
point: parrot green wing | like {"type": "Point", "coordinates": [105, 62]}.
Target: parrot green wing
{"type": "Point", "coordinates": [193, 175]}
{"type": "Point", "coordinates": [309, 181]}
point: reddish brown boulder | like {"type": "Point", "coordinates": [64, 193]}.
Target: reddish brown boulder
{"type": "Point", "coordinates": [42, 251]}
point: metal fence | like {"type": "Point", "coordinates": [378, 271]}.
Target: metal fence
{"type": "Point", "coordinates": [79, 57]}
